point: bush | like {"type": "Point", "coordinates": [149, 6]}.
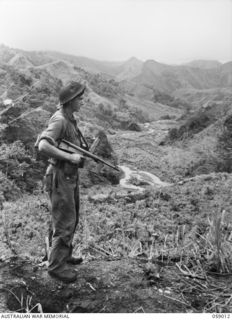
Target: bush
{"type": "Point", "coordinates": [105, 110]}
{"type": "Point", "coordinates": [195, 159]}
{"type": "Point", "coordinates": [15, 151]}
{"type": "Point", "coordinates": [194, 125]}
{"type": "Point", "coordinates": [8, 190]}
{"type": "Point", "coordinates": [224, 147]}
{"type": "Point", "coordinates": [167, 117]}
{"type": "Point", "coordinates": [19, 167]}
{"type": "Point", "coordinates": [27, 222]}
{"type": "Point", "coordinates": [140, 115]}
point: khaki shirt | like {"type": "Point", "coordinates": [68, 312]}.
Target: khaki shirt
{"type": "Point", "coordinates": [62, 126]}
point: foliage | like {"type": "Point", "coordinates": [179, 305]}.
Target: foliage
{"type": "Point", "coordinates": [121, 118]}
{"type": "Point", "coordinates": [193, 125]}
{"type": "Point", "coordinates": [140, 115]}
{"type": "Point", "coordinates": [169, 100]}
{"type": "Point", "coordinates": [136, 114]}
{"type": "Point", "coordinates": [19, 167]}
{"type": "Point", "coordinates": [224, 147]}
{"type": "Point", "coordinates": [14, 151]}
{"type": "Point", "coordinates": [105, 110]}
{"type": "Point", "coordinates": [167, 117]}
{"type": "Point", "coordinates": [188, 224]}
{"type": "Point", "coordinates": [27, 221]}
{"type": "Point", "coordinates": [25, 303]}
{"type": "Point", "coordinates": [194, 159]}
{"type": "Point", "coordinates": [103, 86]}
{"type": "Point", "coordinates": [218, 244]}
{"type": "Point", "coordinates": [182, 225]}
{"type": "Point", "coordinates": [8, 189]}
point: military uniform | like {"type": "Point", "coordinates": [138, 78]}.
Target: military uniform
{"type": "Point", "coordinates": [62, 184]}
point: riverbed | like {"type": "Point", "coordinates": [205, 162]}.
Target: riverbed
{"type": "Point", "coordinates": [140, 177]}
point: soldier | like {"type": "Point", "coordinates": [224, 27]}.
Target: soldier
{"type": "Point", "coordinates": [61, 181]}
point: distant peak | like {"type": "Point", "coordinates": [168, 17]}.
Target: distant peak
{"type": "Point", "coordinates": [2, 45]}
{"type": "Point", "coordinates": [203, 60]}
{"type": "Point", "coordinates": [154, 62]}
{"type": "Point", "coordinates": [204, 64]}
{"type": "Point", "coordinates": [134, 59]}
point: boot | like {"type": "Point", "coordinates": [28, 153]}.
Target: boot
{"type": "Point", "coordinates": [67, 275]}
{"type": "Point", "coordinates": [74, 261]}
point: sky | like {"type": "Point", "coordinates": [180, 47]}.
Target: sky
{"type": "Point", "coordinates": [168, 31]}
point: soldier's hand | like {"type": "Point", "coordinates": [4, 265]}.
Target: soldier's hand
{"type": "Point", "coordinates": [75, 158]}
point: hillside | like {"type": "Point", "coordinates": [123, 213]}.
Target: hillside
{"type": "Point", "coordinates": [156, 236]}
{"type": "Point", "coordinates": [129, 69]}
{"type": "Point", "coordinates": [170, 78]}
{"type": "Point", "coordinates": [90, 65]}
{"type": "Point", "coordinates": [32, 81]}
{"type": "Point", "coordinates": [151, 91]}
{"type": "Point", "coordinates": [134, 76]}
{"type": "Point", "coordinates": [204, 64]}
{"type": "Point", "coordinates": [205, 97]}
{"type": "Point", "coordinates": [61, 69]}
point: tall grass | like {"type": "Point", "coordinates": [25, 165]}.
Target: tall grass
{"type": "Point", "coordinates": [218, 242]}
{"type": "Point", "coordinates": [25, 303]}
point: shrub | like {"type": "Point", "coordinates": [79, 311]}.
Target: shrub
{"type": "Point", "coordinates": [195, 159]}
{"type": "Point", "coordinates": [27, 222]}
{"type": "Point", "coordinates": [15, 151]}
{"type": "Point", "coordinates": [194, 125]}
{"type": "Point", "coordinates": [18, 166]}
{"type": "Point", "coordinates": [105, 110]}
{"type": "Point", "coordinates": [140, 115]}
{"type": "Point", "coordinates": [224, 146]}
{"type": "Point", "coordinates": [167, 117]}
{"type": "Point", "coordinates": [8, 189]}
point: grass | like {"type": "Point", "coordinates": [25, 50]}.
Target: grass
{"type": "Point", "coordinates": [218, 241]}
{"type": "Point", "coordinates": [144, 229]}
{"type": "Point", "coordinates": [26, 304]}
{"type": "Point", "coordinates": [196, 158]}
{"type": "Point", "coordinates": [24, 225]}
{"type": "Point", "coordinates": [189, 225]}
{"type": "Point", "coordinates": [164, 228]}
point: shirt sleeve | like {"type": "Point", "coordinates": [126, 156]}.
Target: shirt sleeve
{"type": "Point", "coordinates": [55, 130]}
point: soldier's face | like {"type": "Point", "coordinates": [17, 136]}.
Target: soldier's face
{"type": "Point", "coordinates": [76, 104]}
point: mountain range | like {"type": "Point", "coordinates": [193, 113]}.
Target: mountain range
{"type": "Point", "coordinates": [198, 74]}
{"type": "Point", "coordinates": [121, 95]}
{"type": "Point", "coordinates": [175, 85]}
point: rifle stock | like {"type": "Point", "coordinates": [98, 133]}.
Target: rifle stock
{"type": "Point", "coordinates": [72, 148]}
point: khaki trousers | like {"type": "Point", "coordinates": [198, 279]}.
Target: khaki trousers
{"type": "Point", "coordinates": [64, 197]}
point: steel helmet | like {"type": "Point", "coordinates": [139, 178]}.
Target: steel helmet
{"type": "Point", "coordinates": [71, 91]}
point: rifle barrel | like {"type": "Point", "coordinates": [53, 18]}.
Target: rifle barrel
{"type": "Point", "coordinates": [89, 154]}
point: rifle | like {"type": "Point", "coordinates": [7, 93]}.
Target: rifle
{"type": "Point", "coordinates": [72, 148]}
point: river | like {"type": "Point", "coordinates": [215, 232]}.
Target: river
{"type": "Point", "coordinates": [142, 176]}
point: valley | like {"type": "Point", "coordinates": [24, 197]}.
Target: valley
{"type": "Point", "coordinates": [155, 238]}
